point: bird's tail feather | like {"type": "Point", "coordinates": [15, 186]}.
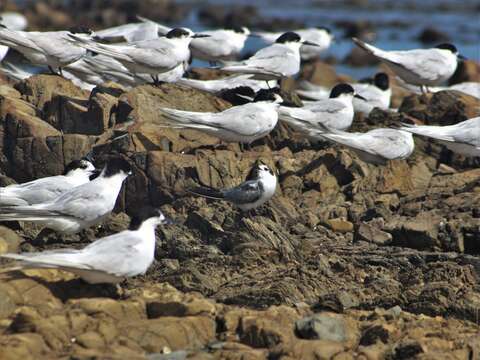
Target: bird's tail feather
{"type": "Point", "coordinates": [368, 48]}
{"type": "Point", "coordinates": [207, 192]}
{"type": "Point", "coordinates": [99, 48]}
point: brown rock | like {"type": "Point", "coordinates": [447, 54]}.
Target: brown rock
{"type": "Point", "coordinates": [443, 107]}
{"type": "Point", "coordinates": [368, 232]}
{"type": "Point", "coordinates": [39, 90]}
{"type": "Point", "coordinates": [340, 225]}
{"type": "Point", "coordinates": [9, 240]}
{"type": "Point", "coordinates": [323, 74]}
{"type": "Point", "coordinates": [174, 333]}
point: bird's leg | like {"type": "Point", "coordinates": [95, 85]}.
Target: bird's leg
{"type": "Point", "coordinates": [51, 70]}
{"type": "Point", "coordinates": [155, 79]}
{"type": "Point", "coordinates": [60, 71]}
{"type": "Point", "coordinates": [268, 85]}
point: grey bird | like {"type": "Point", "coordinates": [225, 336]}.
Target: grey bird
{"type": "Point", "coordinates": [81, 207]}
{"type": "Point", "coordinates": [46, 189]}
{"type": "Point", "coordinates": [110, 259]}
{"type": "Point", "coordinates": [254, 192]}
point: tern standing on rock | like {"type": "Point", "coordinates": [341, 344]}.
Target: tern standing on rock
{"type": "Point", "coordinates": [244, 123]}
{"type": "Point", "coordinates": [254, 192]}
{"type": "Point", "coordinates": [107, 260]}
{"type": "Point", "coordinates": [274, 62]}
{"type": "Point", "coordinates": [462, 138]}
{"type": "Point", "coordinates": [376, 146]}
{"type": "Point", "coordinates": [42, 190]}
{"type": "Point", "coordinates": [376, 94]}
{"type": "Point", "coordinates": [421, 67]}
{"type": "Point", "coordinates": [52, 48]}
{"type": "Point", "coordinates": [336, 112]}
{"type": "Point", "coordinates": [321, 36]}
{"type": "Point", "coordinates": [81, 207]}
{"type": "Point", "coordinates": [222, 44]}
{"type": "Point", "coordinates": [149, 56]}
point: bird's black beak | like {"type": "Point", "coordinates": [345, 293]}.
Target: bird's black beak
{"type": "Point", "coordinates": [309, 43]}
{"type": "Point", "coordinates": [359, 97]}
{"type": "Point", "coordinates": [94, 174]}
{"type": "Point", "coordinates": [89, 156]}
{"type": "Point", "coordinates": [196, 36]}
{"type": "Point", "coordinates": [461, 57]}
{"type": "Point", "coordinates": [168, 221]}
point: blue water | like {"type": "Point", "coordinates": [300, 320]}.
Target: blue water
{"type": "Point", "coordinates": [461, 23]}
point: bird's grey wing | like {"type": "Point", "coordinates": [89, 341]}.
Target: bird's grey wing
{"type": "Point", "coordinates": [387, 143]}
{"type": "Point", "coordinates": [251, 119]}
{"type": "Point", "coordinates": [420, 61]}
{"type": "Point", "coordinates": [245, 193]}
{"type": "Point", "coordinates": [67, 258]}
{"type": "Point", "coordinates": [115, 254]}
{"type": "Point", "coordinates": [16, 38]}
{"type": "Point", "coordinates": [467, 132]}
{"type": "Point", "coordinates": [326, 106]}
{"type": "Point", "coordinates": [130, 32]}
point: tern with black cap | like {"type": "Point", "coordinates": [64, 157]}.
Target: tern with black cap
{"type": "Point", "coordinates": [45, 189]}
{"type": "Point", "coordinates": [281, 59]}
{"type": "Point", "coordinates": [336, 112]}
{"type": "Point", "coordinates": [244, 123]}
{"type": "Point", "coordinates": [258, 188]}
{"type": "Point", "coordinates": [110, 259]}
{"type": "Point", "coordinates": [81, 207]}
{"type": "Point", "coordinates": [51, 48]}
{"type": "Point", "coordinates": [421, 67]}
{"type": "Point", "coordinates": [152, 57]}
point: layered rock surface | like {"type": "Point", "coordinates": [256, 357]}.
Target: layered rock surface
{"type": "Point", "coordinates": [347, 260]}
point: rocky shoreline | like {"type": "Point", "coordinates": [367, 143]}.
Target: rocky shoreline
{"type": "Point", "coordinates": [348, 260]}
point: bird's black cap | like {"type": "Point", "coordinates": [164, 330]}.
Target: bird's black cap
{"type": "Point", "coordinates": [177, 33]}
{"type": "Point", "coordinates": [143, 214]}
{"type": "Point", "coordinates": [327, 29]}
{"type": "Point", "coordinates": [447, 46]}
{"type": "Point", "coordinates": [80, 30]}
{"type": "Point", "coordinates": [237, 29]}
{"type": "Point", "coordinates": [341, 89]}
{"type": "Point", "coordinates": [238, 96]}
{"type": "Point", "coordinates": [266, 95]}
{"type": "Point", "coordinates": [381, 81]}
{"type": "Point", "coordinates": [75, 164]}
{"type": "Point", "coordinates": [288, 37]}
{"type": "Point", "coordinates": [116, 165]}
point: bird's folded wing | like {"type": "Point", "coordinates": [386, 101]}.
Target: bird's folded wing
{"type": "Point", "coordinates": [14, 39]}
{"type": "Point", "coordinates": [245, 193]}
{"type": "Point", "coordinates": [423, 62]}
{"type": "Point", "coordinates": [68, 258]}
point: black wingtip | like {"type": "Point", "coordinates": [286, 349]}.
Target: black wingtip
{"type": "Point", "coordinates": [206, 192]}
